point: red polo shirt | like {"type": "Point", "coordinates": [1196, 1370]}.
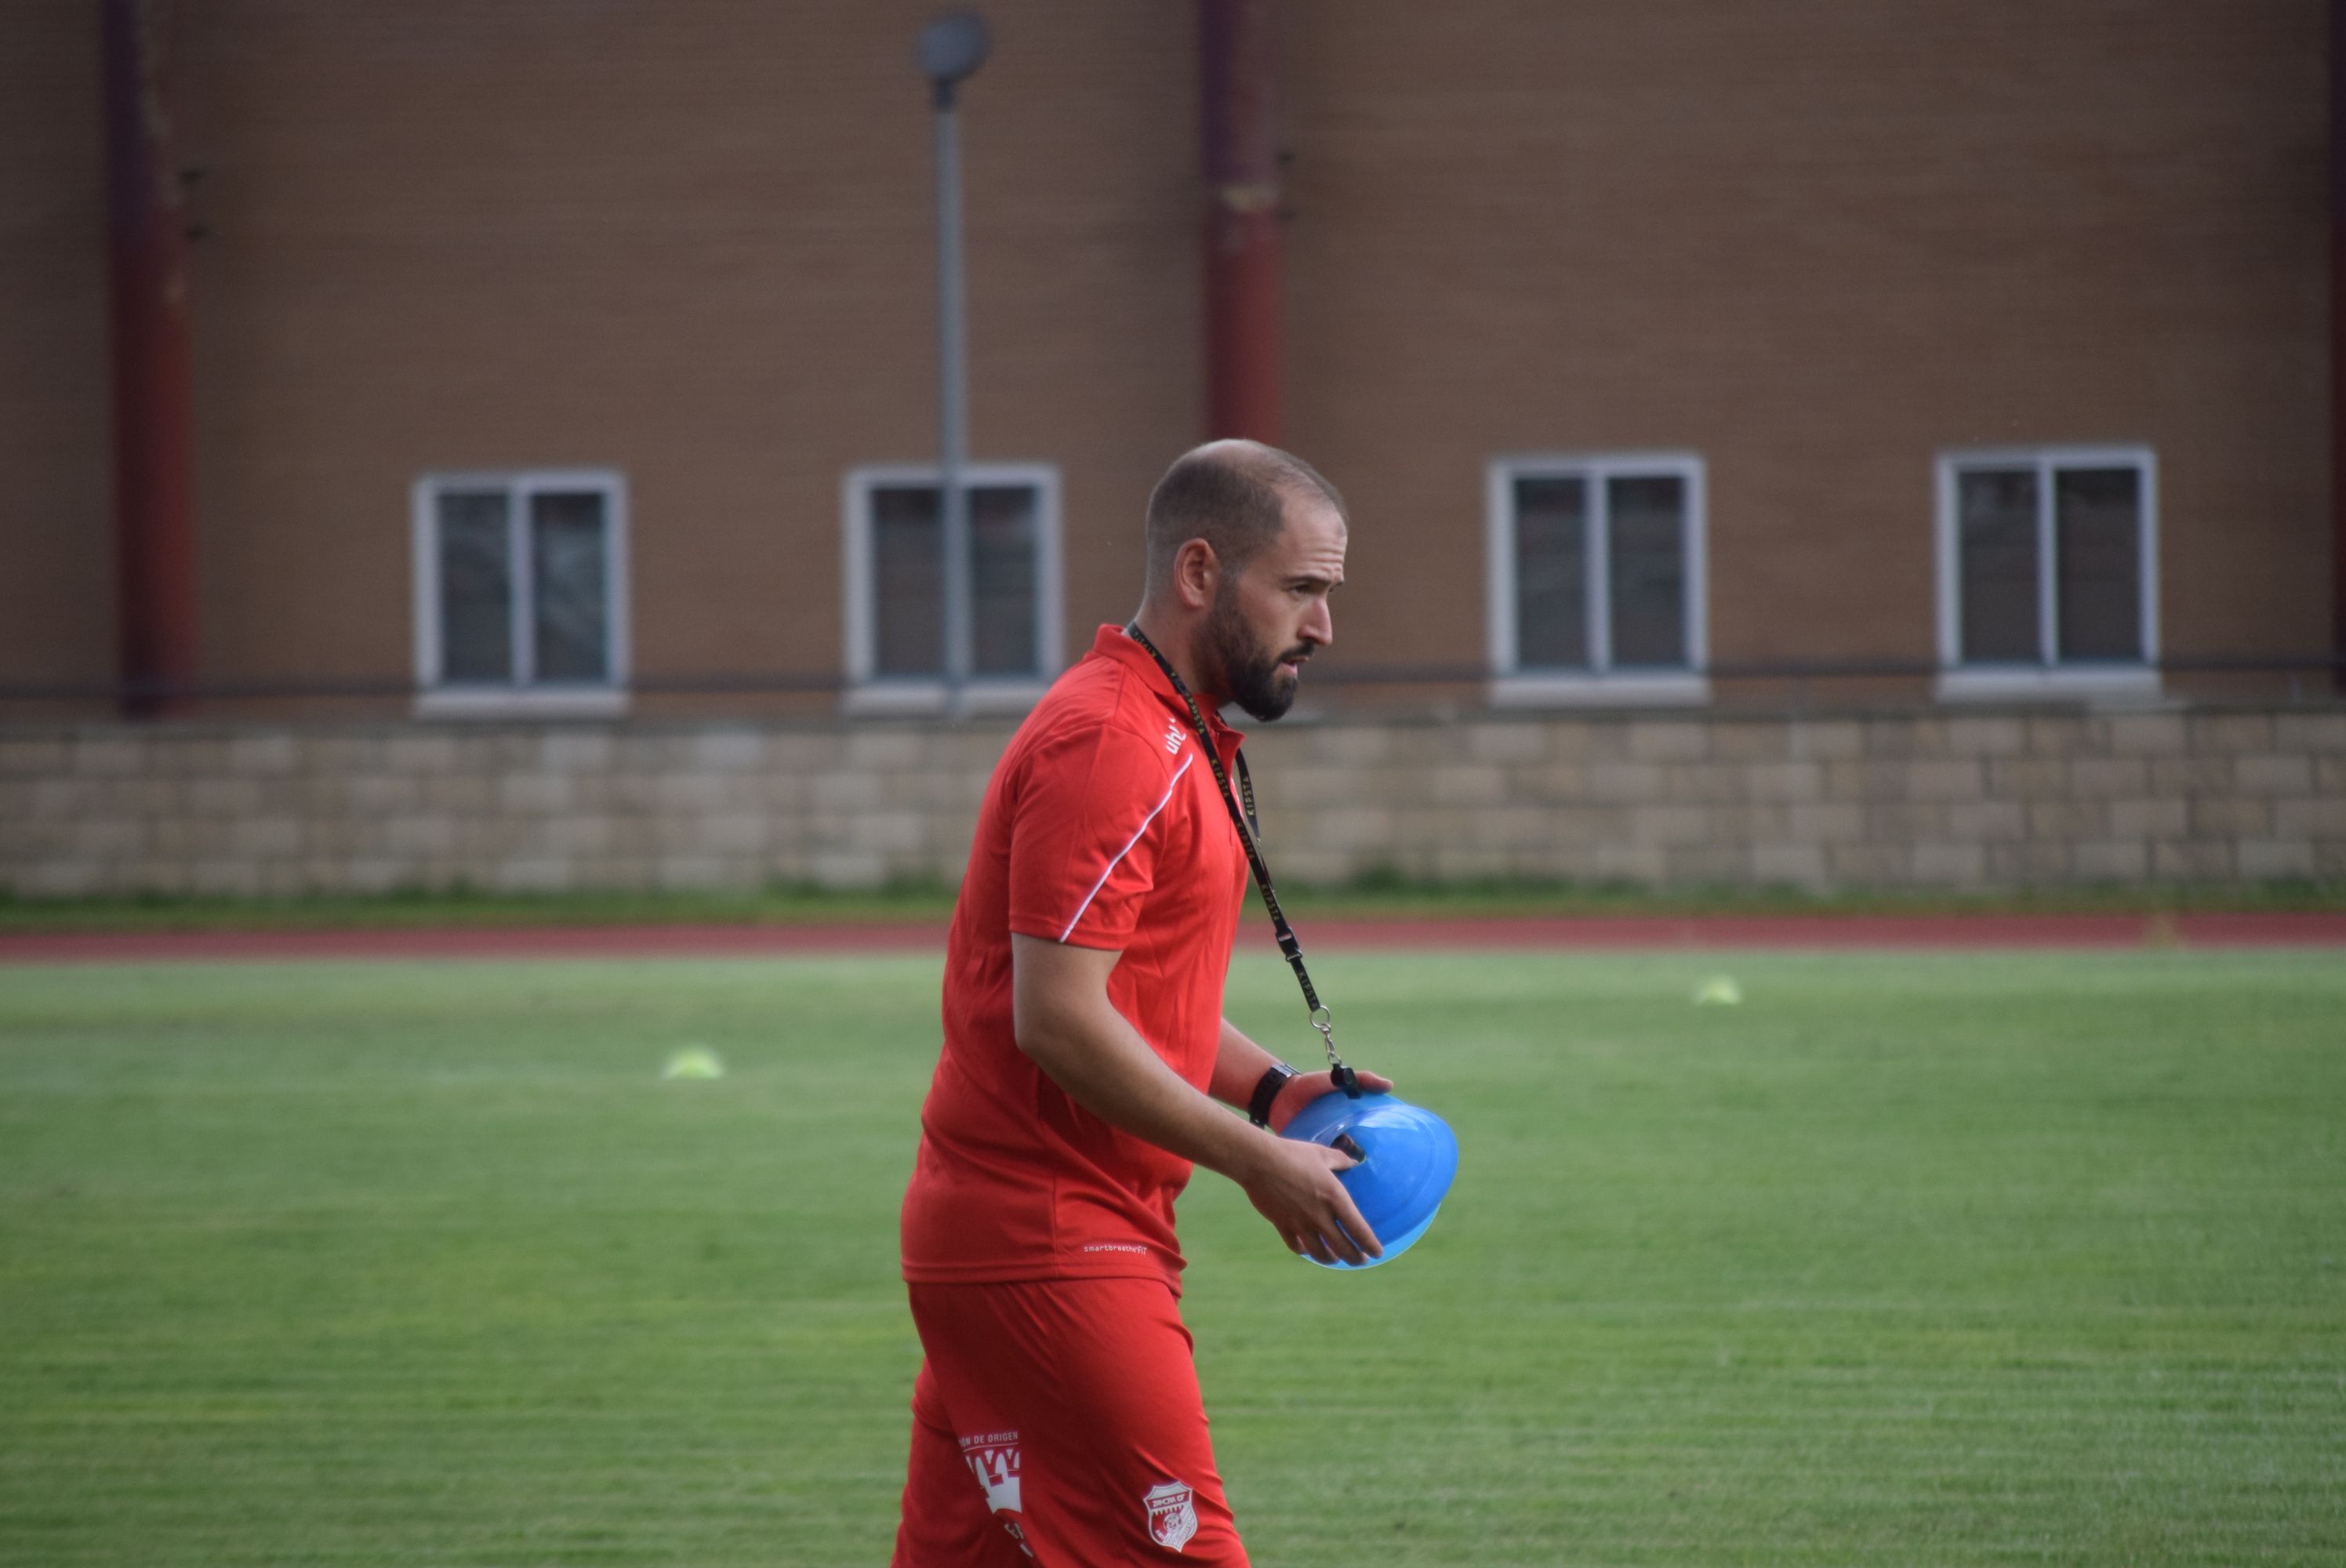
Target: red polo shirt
{"type": "Point", "coordinates": [1103, 827]}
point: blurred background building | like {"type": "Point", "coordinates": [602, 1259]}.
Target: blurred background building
{"type": "Point", "coordinates": [1822, 442]}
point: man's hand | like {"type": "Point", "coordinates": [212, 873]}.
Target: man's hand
{"type": "Point", "coordinates": [1305, 1087]}
{"type": "Point", "coordinates": [1293, 1185]}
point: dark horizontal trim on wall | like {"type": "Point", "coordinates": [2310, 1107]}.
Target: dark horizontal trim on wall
{"type": "Point", "coordinates": [1839, 670]}
{"type": "Point", "coordinates": [266, 688]}
{"type": "Point", "coordinates": [755, 683]}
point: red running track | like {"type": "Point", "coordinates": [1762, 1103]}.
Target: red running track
{"type": "Point", "coordinates": [1538, 934]}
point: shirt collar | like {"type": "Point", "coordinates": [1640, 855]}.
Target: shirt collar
{"type": "Point", "coordinates": [1111, 643]}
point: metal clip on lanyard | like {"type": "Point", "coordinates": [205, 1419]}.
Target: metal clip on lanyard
{"type": "Point", "coordinates": [1250, 829]}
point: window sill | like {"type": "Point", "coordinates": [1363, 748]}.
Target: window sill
{"type": "Point", "coordinates": [521, 702]}
{"type": "Point", "coordinates": [1620, 688]}
{"type": "Point", "coordinates": [2114, 684]}
{"type": "Point", "coordinates": [926, 699]}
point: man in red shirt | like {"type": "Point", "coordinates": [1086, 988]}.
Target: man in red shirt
{"type": "Point", "coordinates": [1057, 1416]}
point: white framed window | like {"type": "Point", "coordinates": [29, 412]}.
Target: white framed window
{"type": "Point", "coordinates": [892, 551]}
{"type": "Point", "coordinates": [2048, 573]}
{"type": "Point", "coordinates": [1595, 582]}
{"type": "Point", "coordinates": [521, 593]}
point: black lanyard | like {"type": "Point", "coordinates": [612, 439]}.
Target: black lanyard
{"type": "Point", "coordinates": [1250, 830]}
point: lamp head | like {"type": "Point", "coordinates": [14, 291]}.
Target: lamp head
{"type": "Point", "coordinates": [951, 49]}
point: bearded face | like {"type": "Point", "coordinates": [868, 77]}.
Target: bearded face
{"type": "Point", "coordinates": [1251, 671]}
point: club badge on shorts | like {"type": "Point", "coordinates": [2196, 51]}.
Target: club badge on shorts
{"type": "Point", "coordinates": [993, 1458]}
{"type": "Point", "coordinates": [1172, 1515]}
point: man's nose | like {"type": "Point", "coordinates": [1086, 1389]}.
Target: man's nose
{"type": "Point", "coordinates": [1318, 627]}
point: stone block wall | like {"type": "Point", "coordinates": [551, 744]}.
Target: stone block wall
{"type": "Point", "coordinates": [1858, 800]}
{"type": "Point", "coordinates": [1872, 800]}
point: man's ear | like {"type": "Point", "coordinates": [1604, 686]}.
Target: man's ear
{"type": "Point", "coordinates": [1196, 574]}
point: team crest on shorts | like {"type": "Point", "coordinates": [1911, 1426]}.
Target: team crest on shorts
{"type": "Point", "coordinates": [993, 1458]}
{"type": "Point", "coordinates": [1172, 1514]}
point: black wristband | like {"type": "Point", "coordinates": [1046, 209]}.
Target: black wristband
{"type": "Point", "coordinates": [1265, 1090]}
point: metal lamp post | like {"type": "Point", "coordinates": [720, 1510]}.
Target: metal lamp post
{"type": "Point", "coordinates": [951, 49]}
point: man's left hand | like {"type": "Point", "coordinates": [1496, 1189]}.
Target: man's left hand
{"type": "Point", "coordinates": [1305, 1087]}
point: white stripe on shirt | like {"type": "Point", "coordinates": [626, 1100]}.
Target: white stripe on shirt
{"type": "Point", "coordinates": [1127, 847]}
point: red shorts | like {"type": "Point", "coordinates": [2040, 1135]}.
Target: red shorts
{"type": "Point", "coordinates": [1059, 1421]}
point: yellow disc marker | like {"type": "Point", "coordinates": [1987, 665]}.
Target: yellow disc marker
{"type": "Point", "coordinates": [1718, 990]}
{"type": "Point", "coordinates": [694, 1061]}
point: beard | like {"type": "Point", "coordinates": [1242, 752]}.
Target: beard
{"type": "Point", "coordinates": [1250, 672]}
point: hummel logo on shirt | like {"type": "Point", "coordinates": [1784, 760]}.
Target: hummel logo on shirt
{"type": "Point", "coordinates": [1173, 738]}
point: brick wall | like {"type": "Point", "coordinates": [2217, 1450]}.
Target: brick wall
{"type": "Point", "coordinates": [1880, 800]}
{"type": "Point", "coordinates": [1816, 243]}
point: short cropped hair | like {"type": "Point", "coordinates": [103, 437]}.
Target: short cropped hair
{"type": "Point", "coordinates": [1233, 495]}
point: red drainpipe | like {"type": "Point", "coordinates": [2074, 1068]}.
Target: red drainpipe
{"type": "Point", "coordinates": [2337, 341]}
{"type": "Point", "coordinates": [155, 570]}
{"type": "Point", "coordinates": [1238, 75]}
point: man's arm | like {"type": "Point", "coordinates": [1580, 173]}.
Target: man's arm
{"type": "Point", "coordinates": [1241, 1064]}
{"type": "Point", "coordinates": [1063, 1020]}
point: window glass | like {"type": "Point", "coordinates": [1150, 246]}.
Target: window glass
{"type": "Point", "coordinates": [2098, 542]}
{"type": "Point", "coordinates": [475, 567]}
{"type": "Point", "coordinates": [568, 570]}
{"type": "Point", "coordinates": [908, 587]}
{"type": "Point", "coordinates": [1996, 544]}
{"type": "Point", "coordinates": [1551, 574]}
{"type": "Point", "coordinates": [907, 592]}
{"type": "Point", "coordinates": [1647, 516]}
{"type": "Point", "coordinates": [1003, 547]}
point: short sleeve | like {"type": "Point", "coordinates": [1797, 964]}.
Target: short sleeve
{"type": "Point", "coordinates": [1086, 831]}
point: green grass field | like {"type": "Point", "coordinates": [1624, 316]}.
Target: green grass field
{"type": "Point", "coordinates": [1941, 1259]}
